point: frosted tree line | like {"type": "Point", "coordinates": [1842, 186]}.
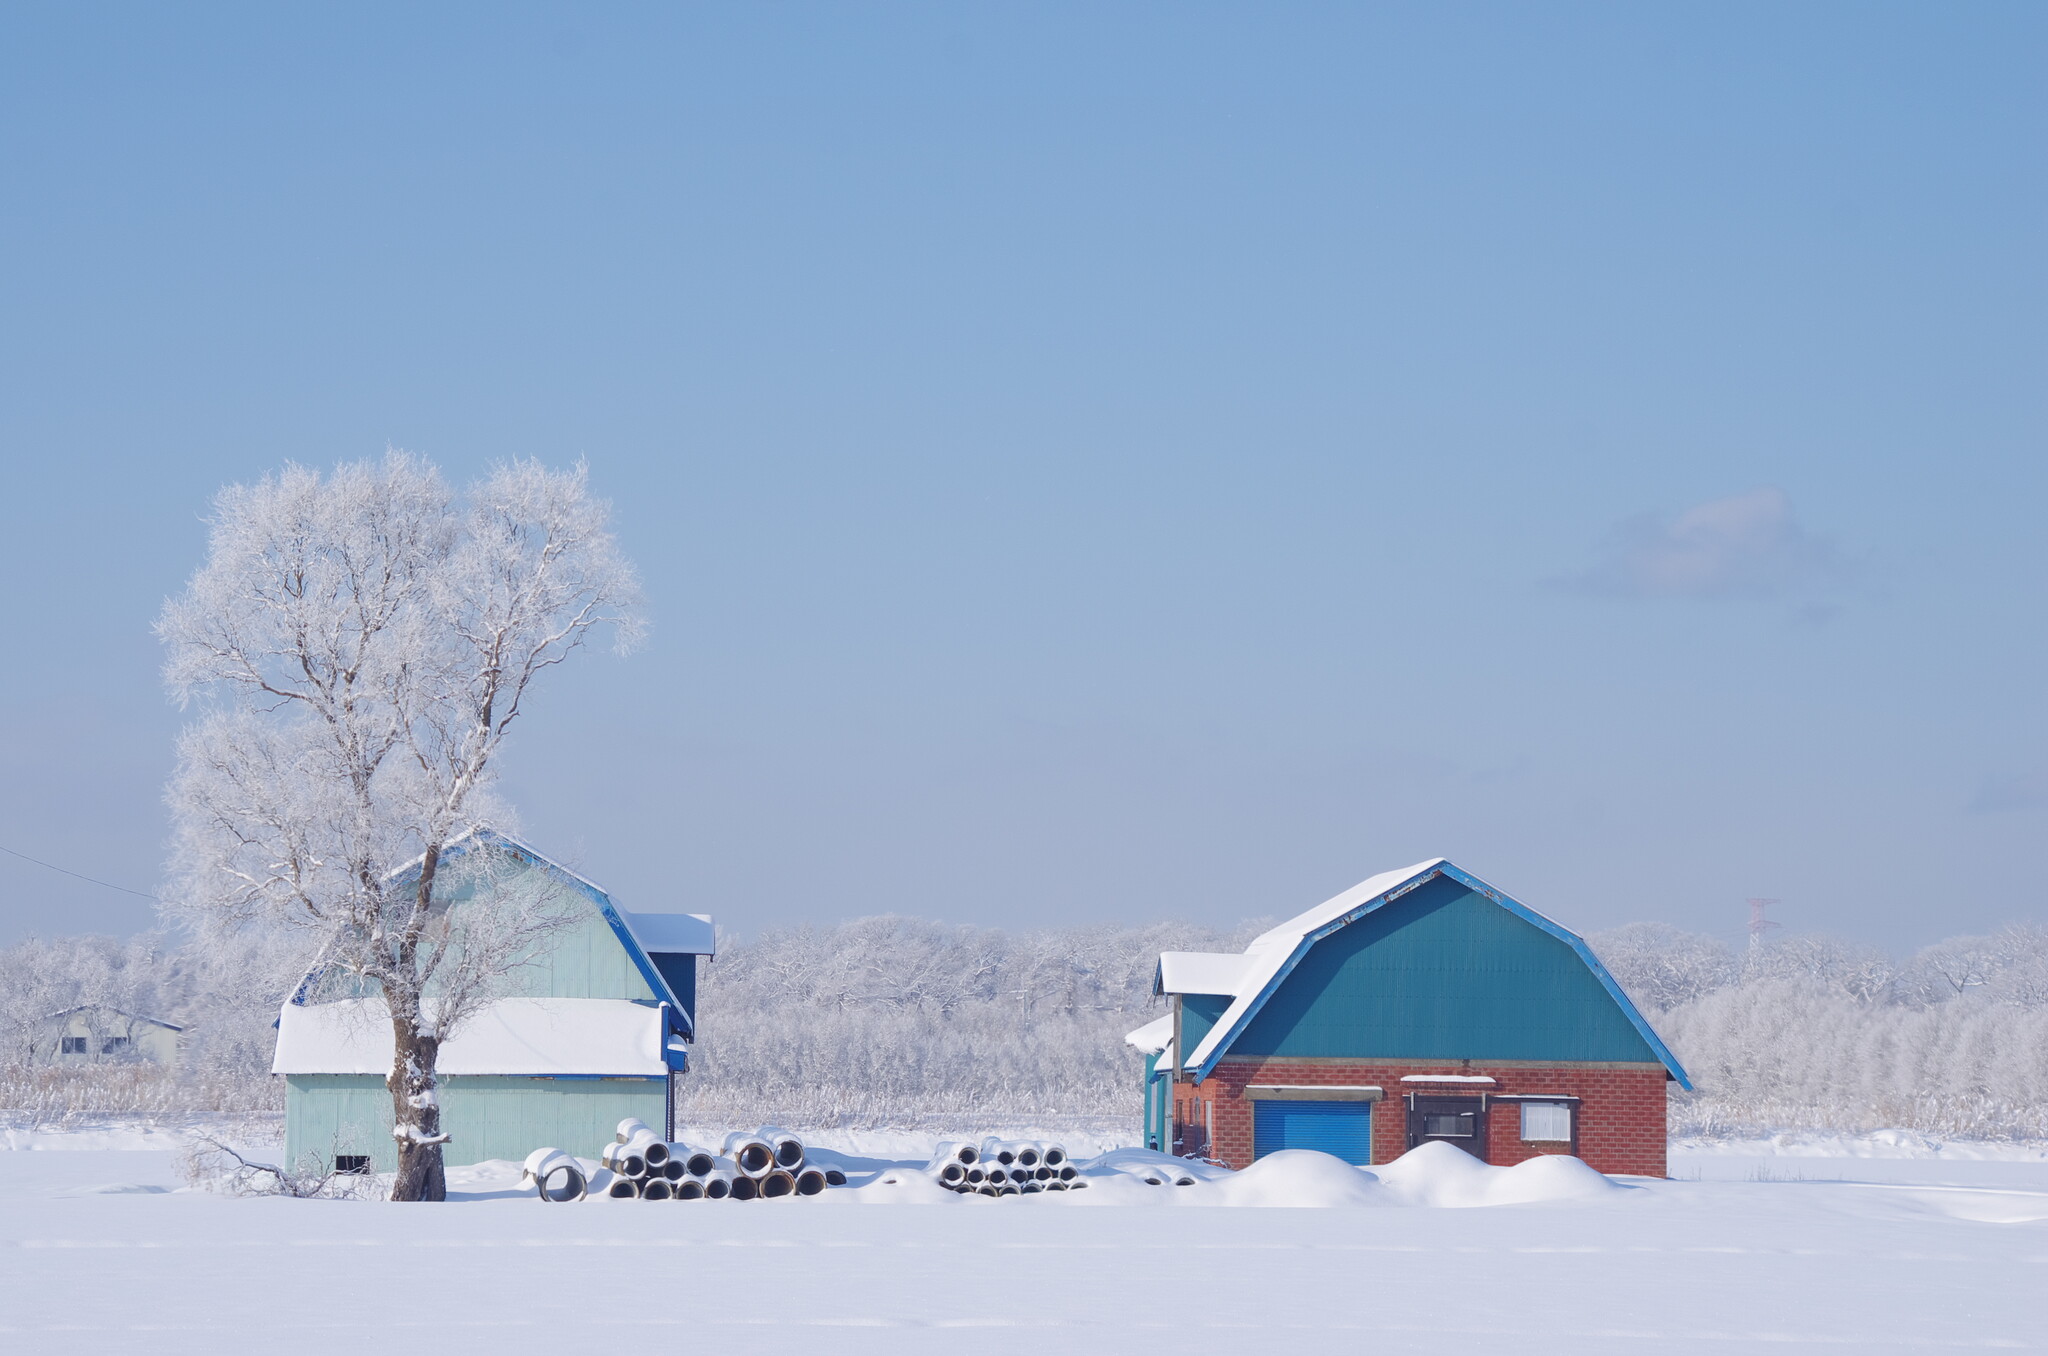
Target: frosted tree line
{"type": "Point", "coordinates": [906, 1022]}
{"type": "Point", "coordinates": [1817, 1033]}
{"type": "Point", "coordinates": [894, 1021]}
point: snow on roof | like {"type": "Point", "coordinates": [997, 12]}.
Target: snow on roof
{"type": "Point", "coordinates": [1152, 1037]}
{"type": "Point", "coordinates": [1200, 972]}
{"type": "Point", "coordinates": [1330, 910]}
{"type": "Point", "coordinates": [1270, 951]}
{"type": "Point", "coordinates": [1445, 1078]}
{"type": "Point", "coordinates": [514, 1036]}
{"type": "Point", "coordinates": [656, 930]}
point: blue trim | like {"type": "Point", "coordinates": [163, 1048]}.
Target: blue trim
{"type": "Point", "coordinates": [298, 998]}
{"type": "Point", "coordinates": [641, 962]}
{"type": "Point", "coordinates": [1479, 887]}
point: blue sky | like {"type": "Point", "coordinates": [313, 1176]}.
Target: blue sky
{"type": "Point", "coordinates": [1095, 462]}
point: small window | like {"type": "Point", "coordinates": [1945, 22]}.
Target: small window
{"type": "Point", "coordinates": [1547, 1121]}
{"type": "Point", "coordinates": [1453, 1126]}
{"type": "Point", "coordinates": [352, 1163]}
{"type": "Point", "coordinates": [72, 1045]}
{"type": "Point", "coordinates": [113, 1045]}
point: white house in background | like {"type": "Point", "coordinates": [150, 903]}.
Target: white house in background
{"type": "Point", "coordinates": [96, 1034]}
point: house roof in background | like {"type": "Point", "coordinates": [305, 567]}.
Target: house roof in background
{"type": "Point", "coordinates": [105, 1007]}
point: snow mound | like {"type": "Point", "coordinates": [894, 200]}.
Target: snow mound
{"type": "Point", "coordinates": [1432, 1176]}
{"type": "Point", "coordinates": [896, 1186]}
{"type": "Point", "coordinates": [1143, 1163]}
{"type": "Point", "coordinates": [1440, 1175]}
{"type": "Point", "coordinates": [1298, 1178]}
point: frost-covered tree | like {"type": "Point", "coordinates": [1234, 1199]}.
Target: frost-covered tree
{"type": "Point", "coordinates": [1860, 972]}
{"type": "Point", "coordinates": [1949, 969]}
{"type": "Point", "coordinates": [2020, 976]}
{"type": "Point", "coordinates": [359, 645]}
{"type": "Point", "coordinates": [1662, 966]}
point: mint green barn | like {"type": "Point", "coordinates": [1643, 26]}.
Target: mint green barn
{"type": "Point", "coordinates": [593, 1030]}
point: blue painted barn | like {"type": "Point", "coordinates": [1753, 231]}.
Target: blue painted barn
{"type": "Point", "coordinates": [595, 1029]}
{"type": "Point", "coordinates": [1421, 1004]}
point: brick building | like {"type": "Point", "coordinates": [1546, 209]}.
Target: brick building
{"type": "Point", "coordinates": [1422, 1004]}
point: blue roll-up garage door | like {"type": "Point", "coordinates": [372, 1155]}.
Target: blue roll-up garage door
{"type": "Point", "coordinates": [1340, 1128]}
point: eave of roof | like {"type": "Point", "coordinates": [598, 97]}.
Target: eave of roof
{"type": "Point", "coordinates": [1200, 972]}
{"type": "Point", "coordinates": [1153, 1037]}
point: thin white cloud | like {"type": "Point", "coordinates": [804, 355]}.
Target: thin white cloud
{"type": "Point", "coordinates": [1745, 546]}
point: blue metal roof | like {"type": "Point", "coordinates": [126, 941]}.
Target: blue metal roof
{"type": "Point", "coordinates": [1243, 1013]}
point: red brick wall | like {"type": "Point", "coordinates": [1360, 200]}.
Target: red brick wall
{"type": "Point", "coordinates": [1619, 1121]}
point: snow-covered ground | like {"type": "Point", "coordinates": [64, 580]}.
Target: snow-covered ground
{"type": "Point", "coordinates": [1853, 1245]}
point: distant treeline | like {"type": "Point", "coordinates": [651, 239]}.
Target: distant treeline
{"type": "Point", "coordinates": [902, 1021]}
{"type": "Point", "coordinates": [1815, 1033]}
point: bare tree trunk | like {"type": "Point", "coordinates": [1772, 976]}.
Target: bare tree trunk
{"type": "Point", "coordinates": [416, 1114]}
{"type": "Point", "coordinates": [414, 1081]}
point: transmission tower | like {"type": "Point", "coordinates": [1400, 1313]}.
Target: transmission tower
{"type": "Point", "coordinates": [1758, 924]}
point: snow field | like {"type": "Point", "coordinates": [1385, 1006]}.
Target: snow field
{"type": "Point", "coordinates": [100, 1251]}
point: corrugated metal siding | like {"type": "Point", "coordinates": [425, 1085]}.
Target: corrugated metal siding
{"type": "Point", "coordinates": [511, 1117]}
{"type": "Point", "coordinates": [328, 1114]}
{"type": "Point", "coordinates": [1442, 973]}
{"type": "Point", "coordinates": [1340, 1128]}
{"type": "Point", "coordinates": [485, 1118]}
{"type": "Point", "coordinates": [586, 961]}
{"type": "Point", "coordinates": [1199, 1012]}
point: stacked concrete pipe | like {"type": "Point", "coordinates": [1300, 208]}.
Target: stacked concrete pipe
{"type": "Point", "coordinates": [554, 1176]}
{"type": "Point", "coordinates": [764, 1165]}
{"type": "Point", "coordinates": [749, 1154]}
{"type": "Point", "coordinates": [787, 1148]}
{"type": "Point", "coordinates": [998, 1167]}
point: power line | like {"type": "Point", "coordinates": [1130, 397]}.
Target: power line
{"type": "Point", "coordinates": [77, 875]}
